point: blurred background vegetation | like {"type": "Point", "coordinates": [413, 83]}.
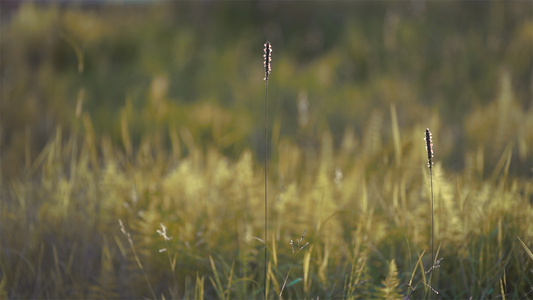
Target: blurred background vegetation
{"type": "Point", "coordinates": [139, 89]}
{"type": "Point", "coordinates": [196, 65]}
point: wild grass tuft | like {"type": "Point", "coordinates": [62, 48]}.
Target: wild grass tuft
{"type": "Point", "coordinates": [390, 289]}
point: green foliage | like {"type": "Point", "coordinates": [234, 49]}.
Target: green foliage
{"type": "Point", "coordinates": [106, 116]}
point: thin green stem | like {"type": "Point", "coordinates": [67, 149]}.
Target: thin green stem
{"type": "Point", "coordinates": [142, 269]}
{"type": "Point", "coordinates": [432, 222]}
{"type": "Point", "coordinates": [266, 184]}
{"type": "Point", "coordinates": [171, 267]}
{"type": "Point", "coordinates": [432, 234]}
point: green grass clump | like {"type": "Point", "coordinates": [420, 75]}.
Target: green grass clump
{"type": "Point", "coordinates": [153, 185]}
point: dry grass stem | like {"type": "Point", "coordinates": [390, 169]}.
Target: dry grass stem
{"type": "Point", "coordinates": [130, 241]}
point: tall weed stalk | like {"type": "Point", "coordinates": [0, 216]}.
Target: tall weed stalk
{"type": "Point", "coordinates": [429, 148]}
{"type": "Point", "coordinates": [267, 60]}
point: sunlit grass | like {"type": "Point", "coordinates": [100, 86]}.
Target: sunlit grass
{"type": "Point", "coordinates": [371, 220]}
{"type": "Point", "coordinates": [348, 210]}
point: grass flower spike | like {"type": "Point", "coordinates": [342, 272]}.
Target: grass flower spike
{"type": "Point", "coordinates": [267, 60]}
{"type": "Point", "coordinates": [429, 147]}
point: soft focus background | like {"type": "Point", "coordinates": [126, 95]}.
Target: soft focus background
{"type": "Point", "coordinates": [153, 113]}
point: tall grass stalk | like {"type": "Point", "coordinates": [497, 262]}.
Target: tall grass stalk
{"type": "Point", "coordinates": [429, 149]}
{"type": "Point", "coordinates": [267, 60]}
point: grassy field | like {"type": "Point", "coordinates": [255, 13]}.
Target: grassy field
{"type": "Point", "coordinates": [132, 150]}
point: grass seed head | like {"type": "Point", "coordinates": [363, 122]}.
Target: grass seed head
{"type": "Point", "coordinates": [298, 241]}
{"type": "Point", "coordinates": [163, 232]}
{"type": "Point", "coordinates": [429, 147]}
{"type": "Point", "coordinates": [267, 59]}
